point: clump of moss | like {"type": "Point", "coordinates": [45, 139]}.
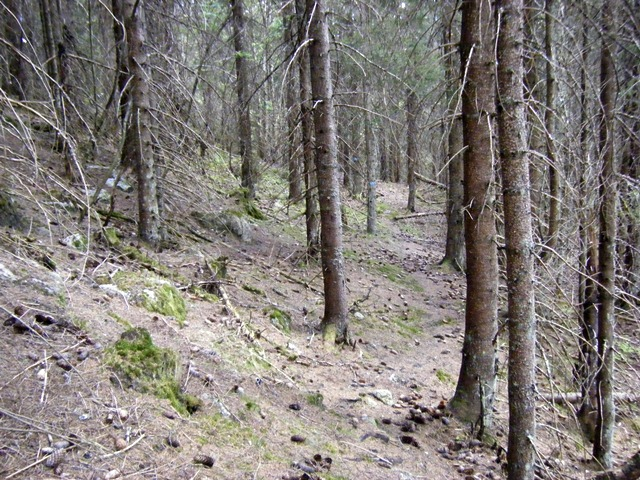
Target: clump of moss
{"type": "Point", "coordinates": [143, 366]}
{"type": "Point", "coordinates": [165, 299]}
{"type": "Point", "coordinates": [279, 318]}
{"type": "Point", "coordinates": [316, 399]}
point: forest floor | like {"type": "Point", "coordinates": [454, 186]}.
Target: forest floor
{"type": "Point", "coordinates": [273, 402]}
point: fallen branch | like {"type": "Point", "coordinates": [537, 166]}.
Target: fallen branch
{"type": "Point", "coordinates": [571, 398]}
{"type": "Point", "coordinates": [629, 471]}
{"type": "Point", "coordinates": [429, 181]}
{"type": "Point", "coordinates": [414, 215]}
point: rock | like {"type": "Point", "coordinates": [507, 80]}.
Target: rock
{"type": "Point", "coordinates": [9, 213]}
{"type": "Point", "coordinates": [76, 240]}
{"type": "Point", "coordinates": [122, 185]}
{"type": "Point", "coordinates": [224, 222]}
{"type": "Point", "coordinates": [385, 396]}
{"type": "Point", "coordinates": [205, 460]}
{"type": "Point", "coordinates": [6, 274]}
{"type": "Point", "coordinates": [358, 316]}
{"type": "Point", "coordinates": [298, 439]}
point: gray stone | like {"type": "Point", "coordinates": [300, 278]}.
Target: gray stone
{"type": "Point", "coordinates": [6, 274]}
{"type": "Point", "coordinates": [122, 185]}
{"type": "Point", "coordinates": [225, 222]}
{"type": "Point", "coordinates": [385, 396]}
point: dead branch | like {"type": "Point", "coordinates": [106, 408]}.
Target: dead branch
{"type": "Point", "coordinates": [424, 179]}
{"type": "Point", "coordinates": [629, 471]}
{"type": "Point", "coordinates": [571, 398]}
{"type": "Point", "coordinates": [415, 215]}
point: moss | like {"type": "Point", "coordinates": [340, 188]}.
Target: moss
{"type": "Point", "coordinates": [121, 321]}
{"type": "Point", "coordinates": [111, 236]}
{"type": "Point", "coordinates": [316, 399]}
{"type": "Point", "coordinates": [141, 365]}
{"type": "Point", "coordinates": [279, 318]}
{"type": "Point", "coordinates": [399, 276]}
{"type": "Point", "coordinates": [252, 289]}
{"type": "Point", "coordinates": [443, 376]}
{"type": "Point", "coordinates": [166, 300]}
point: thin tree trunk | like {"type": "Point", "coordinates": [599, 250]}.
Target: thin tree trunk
{"type": "Point", "coordinates": [519, 241]}
{"type": "Point", "coordinates": [372, 165]}
{"type": "Point", "coordinates": [412, 147]}
{"type": "Point", "coordinates": [248, 171]}
{"type": "Point", "coordinates": [549, 124]}
{"type": "Point", "coordinates": [17, 81]}
{"type": "Point", "coordinates": [291, 104]}
{"type": "Point", "coordinates": [475, 391]}
{"type": "Point", "coordinates": [454, 247]}
{"type": "Point", "coordinates": [312, 216]}
{"type": "Point", "coordinates": [334, 322]}
{"type": "Point", "coordinates": [602, 448]}
{"type": "Point", "coordinates": [137, 149]}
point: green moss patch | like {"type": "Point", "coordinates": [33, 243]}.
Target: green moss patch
{"type": "Point", "coordinates": [279, 318]}
{"type": "Point", "coordinates": [165, 299]}
{"type": "Point", "coordinates": [141, 365]}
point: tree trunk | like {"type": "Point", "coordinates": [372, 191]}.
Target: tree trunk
{"type": "Point", "coordinates": [629, 471]}
{"type": "Point", "coordinates": [312, 217]}
{"type": "Point", "coordinates": [291, 103]}
{"type": "Point", "coordinates": [412, 147]}
{"type": "Point", "coordinates": [248, 171]}
{"type": "Point", "coordinates": [474, 395]}
{"type": "Point", "coordinates": [602, 448]}
{"type": "Point", "coordinates": [372, 165]}
{"type": "Point", "coordinates": [549, 124]}
{"type": "Point", "coordinates": [454, 248]}
{"type": "Point", "coordinates": [16, 83]}
{"type": "Point", "coordinates": [137, 149]}
{"type": "Point", "coordinates": [334, 322]}
{"type": "Point", "coordinates": [519, 241]}
{"type": "Point", "coordinates": [122, 67]}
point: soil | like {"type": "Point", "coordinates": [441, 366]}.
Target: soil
{"type": "Point", "coordinates": [276, 402]}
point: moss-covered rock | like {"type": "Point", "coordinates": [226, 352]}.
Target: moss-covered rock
{"type": "Point", "coordinates": [143, 366]}
{"type": "Point", "coordinates": [165, 299]}
{"type": "Point", "coordinates": [279, 318]}
{"type": "Point", "coordinates": [9, 213]}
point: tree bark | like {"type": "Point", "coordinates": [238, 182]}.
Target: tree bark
{"type": "Point", "coordinates": [372, 165]}
{"type": "Point", "coordinates": [312, 217]}
{"type": "Point", "coordinates": [518, 239]}
{"type": "Point", "coordinates": [629, 471]}
{"type": "Point", "coordinates": [602, 448]}
{"type": "Point", "coordinates": [248, 170]}
{"type": "Point", "coordinates": [475, 391]}
{"type": "Point", "coordinates": [137, 149]}
{"type": "Point", "coordinates": [291, 103]}
{"type": "Point", "coordinates": [549, 124]}
{"type": "Point", "coordinates": [454, 247]}
{"type": "Point", "coordinates": [334, 323]}
{"type": "Point", "coordinates": [17, 81]}
{"type": "Point", "coordinates": [412, 147]}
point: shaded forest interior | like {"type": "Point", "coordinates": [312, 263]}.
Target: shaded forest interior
{"type": "Point", "coordinates": [138, 134]}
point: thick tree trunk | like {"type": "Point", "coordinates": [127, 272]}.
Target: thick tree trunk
{"type": "Point", "coordinates": [475, 391]}
{"type": "Point", "coordinates": [122, 66]}
{"type": "Point", "coordinates": [412, 147]}
{"type": "Point", "coordinates": [334, 322]}
{"type": "Point", "coordinates": [312, 216]}
{"type": "Point", "coordinates": [16, 83]}
{"type": "Point", "coordinates": [248, 171]}
{"type": "Point", "coordinates": [137, 149]}
{"type": "Point", "coordinates": [519, 241]}
{"type": "Point", "coordinates": [291, 102]}
{"type": "Point", "coordinates": [602, 448]}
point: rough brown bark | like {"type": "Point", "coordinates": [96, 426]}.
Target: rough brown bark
{"type": "Point", "coordinates": [412, 147]}
{"type": "Point", "coordinates": [518, 239]}
{"type": "Point", "coordinates": [248, 170]}
{"type": "Point", "coordinates": [312, 217]}
{"type": "Point", "coordinates": [137, 149]}
{"type": "Point", "coordinates": [122, 66]}
{"type": "Point", "coordinates": [603, 445]}
{"type": "Point", "coordinates": [334, 321]}
{"type": "Point", "coordinates": [474, 395]}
